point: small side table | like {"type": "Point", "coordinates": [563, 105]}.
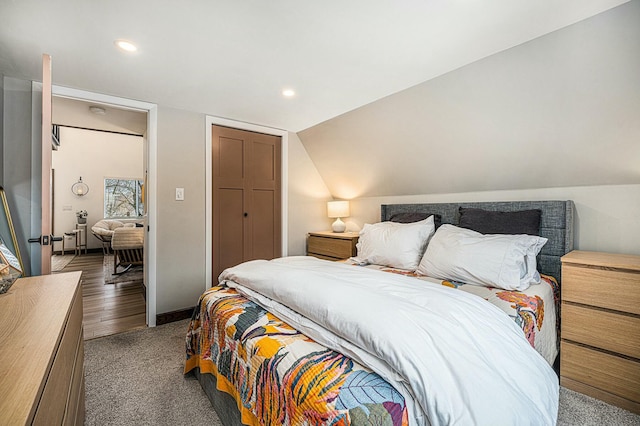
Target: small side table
{"type": "Point", "coordinates": [71, 235]}
{"type": "Point", "coordinates": [81, 237]}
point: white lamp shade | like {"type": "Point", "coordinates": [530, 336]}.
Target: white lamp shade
{"type": "Point", "coordinates": [338, 209]}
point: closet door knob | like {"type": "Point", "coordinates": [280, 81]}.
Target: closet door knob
{"type": "Point", "coordinates": [246, 214]}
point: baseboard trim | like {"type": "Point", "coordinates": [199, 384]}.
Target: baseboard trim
{"type": "Point", "coordinates": [174, 316]}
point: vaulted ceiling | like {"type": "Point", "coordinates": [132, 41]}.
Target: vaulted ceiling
{"type": "Point", "coordinates": [562, 110]}
{"type": "Point", "coordinates": [233, 58]}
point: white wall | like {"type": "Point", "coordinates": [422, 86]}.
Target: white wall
{"type": "Point", "coordinates": [561, 110]}
{"type": "Point", "coordinates": [180, 233]}
{"type": "Point", "coordinates": [555, 118]}
{"type": "Point", "coordinates": [606, 216]}
{"type": "Point", "coordinates": [307, 198]}
{"type": "Point", "coordinates": [181, 224]}
{"type": "Point", "coordinates": [94, 156]}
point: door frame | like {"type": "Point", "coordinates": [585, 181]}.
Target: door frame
{"type": "Point", "coordinates": [150, 243]}
{"type": "Point", "coordinates": [284, 176]}
{"type": "Point", "coordinates": [46, 169]}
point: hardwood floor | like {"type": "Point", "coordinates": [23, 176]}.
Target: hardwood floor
{"type": "Point", "coordinates": [108, 308]}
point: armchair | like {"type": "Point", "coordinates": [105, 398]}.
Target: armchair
{"type": "Point", "coordinates": [103, 230]}
{"type": "Point", "coordinates": [127, 244]}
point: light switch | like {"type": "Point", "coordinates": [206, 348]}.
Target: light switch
{"type": "Point", "coordinates": [67, 208]}
{"type": "Point", "coordinates": [179, 194]}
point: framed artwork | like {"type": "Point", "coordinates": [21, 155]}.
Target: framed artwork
{"type": "Point", "coordinates": [7, 258]}
{"type": "Point", "coordinates": [10, 268]}
{"type": "Point", "coordinates": [8, 235]}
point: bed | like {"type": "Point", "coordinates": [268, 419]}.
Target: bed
{"type": "Point", "coordinates": [258, 369]}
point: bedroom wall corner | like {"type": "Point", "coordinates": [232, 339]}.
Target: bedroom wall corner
{"type": "Point", "coordinates": [606, 216]}
{"type": "Point", "coordinates": [307, 194]}
{"type": "Point", "coordinates": [180, 224]}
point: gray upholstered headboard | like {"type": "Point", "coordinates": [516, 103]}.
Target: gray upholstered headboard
{"type": "Point", "coordinates": [556, 223]}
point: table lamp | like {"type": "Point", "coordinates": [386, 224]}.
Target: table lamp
{"type": "Point", "coordinates": [338, 209]}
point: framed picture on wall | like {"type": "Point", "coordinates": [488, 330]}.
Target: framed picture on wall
{"type": "Point", "coordinates": [9, 259]}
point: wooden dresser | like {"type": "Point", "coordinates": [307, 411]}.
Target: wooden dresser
{"type": "Point", "coordinates": [42, 352]}
{"type": "Point", "coordinates": [332, 245]}
{"type": "Point", "coordinates": [600, 345]}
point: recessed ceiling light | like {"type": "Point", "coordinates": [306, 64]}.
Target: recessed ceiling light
{"type": "Point", "coordinates": [126, 45]}
{"type": "Point", "coordinates": [288, 93]}
{"type": "Point", "coordinates": [97, 110]}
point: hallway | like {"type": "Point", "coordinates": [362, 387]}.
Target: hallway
{"type": "Point", "coordinates": [108, 308]}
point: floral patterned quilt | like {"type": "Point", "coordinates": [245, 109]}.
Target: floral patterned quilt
{"type": "Point", "coordinates": [278, 376]}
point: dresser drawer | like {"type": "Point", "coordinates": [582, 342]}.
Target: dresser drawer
{"type": "Point", "coordinates": [75, 409]}
{"type": "Point", "coordinates": [332, 247]}
{"type": "Point", "coordinates": [611, 289]}
{"type": "Point", "coordinates": [52, 406]}
{"type": "Point", "coordinates": [340, 249]}
{"type": "Point", "coordinates": [603, 329]}
{"type": "Point", "coordinates": [619, 376]}
{"type": "Point", "coordinates": [323, 257]}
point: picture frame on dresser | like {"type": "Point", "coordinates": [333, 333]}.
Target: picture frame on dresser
{"type": "Point", "coordinates": [11, 266]}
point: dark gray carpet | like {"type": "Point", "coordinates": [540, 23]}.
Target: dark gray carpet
{"type": "Point", "coordinates": [578, 409]}
{"type": "Point", "coordinates": [136, 378]}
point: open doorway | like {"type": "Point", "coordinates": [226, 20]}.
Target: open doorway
{"type": "Point", "coordinates": [99, 172]}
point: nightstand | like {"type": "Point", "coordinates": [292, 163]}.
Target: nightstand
{"type": "Point", "coordinates": [600, 334]}
{"type": "Point", "coordinates": [332, 245]}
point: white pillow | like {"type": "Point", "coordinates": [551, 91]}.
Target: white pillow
{"type": "Point", "coordinates": [398, 245]}
{"type": "Point", "coordinates": [493, 260]}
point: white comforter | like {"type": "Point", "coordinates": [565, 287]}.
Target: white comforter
{"type": "Point", "coordinates": [456, 358]}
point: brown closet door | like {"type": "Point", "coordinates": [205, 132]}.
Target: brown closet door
{"type": "Point", "coordinates": [246, 197]}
